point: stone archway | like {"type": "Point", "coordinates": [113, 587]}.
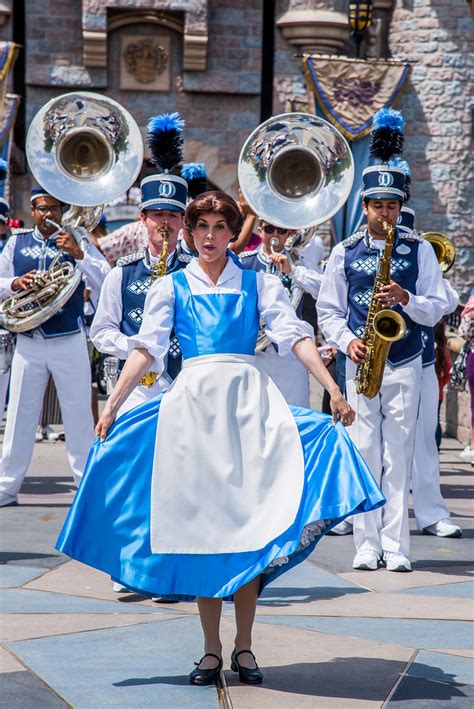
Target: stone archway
{"type": "Point", "coordinates": [169, 13]}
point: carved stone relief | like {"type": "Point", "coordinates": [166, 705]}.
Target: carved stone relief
{"type": "Point", "coordinates": [144, 63]}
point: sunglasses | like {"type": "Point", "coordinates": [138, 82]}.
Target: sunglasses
{"type": "Point", "coordinates": [269, 229]}
{"type": "Point", "coordinates": [44, 210]}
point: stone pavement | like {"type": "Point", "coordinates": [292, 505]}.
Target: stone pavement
{"type": "Point", "coordinates": [325, 636]}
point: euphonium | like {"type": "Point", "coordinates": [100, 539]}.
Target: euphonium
{"type": "Point", "coordinates": [383, 326]}
{"type": "Point", "coordinates": [443, 247]}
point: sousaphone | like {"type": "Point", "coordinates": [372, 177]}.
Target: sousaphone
{"type": "Point", "coordinates": [86, 150]}
{"type": "Point", "coordinates": [295, 171]}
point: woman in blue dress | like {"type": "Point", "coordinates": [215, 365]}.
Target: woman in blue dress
{"type": "Point", "coordinates": [216, 487]}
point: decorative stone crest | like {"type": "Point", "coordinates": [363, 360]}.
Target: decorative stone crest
{"type": "Point", "coordinates": [145, 60]}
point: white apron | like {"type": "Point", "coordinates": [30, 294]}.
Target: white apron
{"type": "Point", "coordinates": [238, 484]}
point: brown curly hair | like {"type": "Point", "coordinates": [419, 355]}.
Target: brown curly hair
{"type": "Point", "coordinates": [217, 202]}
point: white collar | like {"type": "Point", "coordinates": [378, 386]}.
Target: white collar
{"type": "Point", "coordinates": [230, 271]}
{"type": "Point", "coordinates": [155, 259]}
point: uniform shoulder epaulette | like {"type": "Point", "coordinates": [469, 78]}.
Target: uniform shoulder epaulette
{"type": "Point", "coordinates": [246, 254]}
{"type": "Point", "coordinates": [351, 240]}
{"type": "Point", "coordinates": [130, 258]}
{"type": "Point", "coordinates": [185, 258]}
{"type": "Point", "coordinates": [410, 236]}
{"type": "Point", "coordinates": [21, 230]}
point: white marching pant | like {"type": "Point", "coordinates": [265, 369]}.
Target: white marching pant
{"type": "Point", "coordinates": [290, 376]}
{"type": "Point", "coordinates": [384, 433]}
{"type": "Point", "coordinates": [4, 379]}
{"type": "Point", "coordinates": [67, 360]}
{"type": "Point", "coordinates": [428, 503]}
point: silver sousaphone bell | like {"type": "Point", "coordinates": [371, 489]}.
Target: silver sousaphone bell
{"type": "Point", "coordinates": [86, 150]}
{"type": "Point", "coordinates": [296, 170]}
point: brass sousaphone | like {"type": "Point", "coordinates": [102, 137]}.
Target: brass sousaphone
{"type": "Point", "coordinates": [295, 171]}
{"type": "Point", "coordinates": [86, 150]}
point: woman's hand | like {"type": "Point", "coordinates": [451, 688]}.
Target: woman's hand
{"type": "Point", "coordinates": [341, 410]}
{"type": "Point", "coordinates": [104, 423]}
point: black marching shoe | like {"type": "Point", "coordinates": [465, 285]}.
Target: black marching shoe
{"type": "Point", "coordinates": [205, 677]}
{"type": "Point", "coordinates": [246, 675]}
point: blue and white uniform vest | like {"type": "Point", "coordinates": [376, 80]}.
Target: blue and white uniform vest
{"type": "Point", "coordinates": [135, 286]}
{"type": "Point", "coordinates": [33, 252]}
{"type": "Point", "coordinates": [216, 323]}
{"type": "Point", "coordinates": [257, 260]}
{"type": "Point", "coordinates": [360, 265]}
{"type": "Point", "coordinates": [428, 356]}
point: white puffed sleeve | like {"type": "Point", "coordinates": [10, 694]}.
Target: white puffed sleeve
{"type": "Point", "coordinates": [283, 327]}
{"type": "Point", "coordinates": [105, 329]}
{"type": "Point", "coordinates": [157, 323]}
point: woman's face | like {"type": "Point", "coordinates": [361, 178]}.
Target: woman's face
{"type": "Point", "coordinates": [211, 236]}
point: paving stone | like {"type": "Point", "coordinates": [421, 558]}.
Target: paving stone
{"type": "Point", "coordinates": [12, 576]}
{"type": "Point", "coordinates": [442, 667]}
{"type": "Point", "coordinates": [303, 669]}
{"type": "Point", "coordinates": [77, 579]}
{"type": "Point", "coordinates": [22, 690]}
{"type": "Point", "coordinates": [12, 599]}
{"type": "Point", "coordinates": [22, 626]}
{"type": "Point", "coordinates": [134, 666]}
{"type": "Point", "coordinates": [451, 590]}
{"type": "Point", "coordinates": [8, 662]}
{"type": "Point", "coordinates": [378, 605]}
{"type": "Point", "coordinates": [427, 634]}
{"type": "Point", "coordinates": [420, 693]}
{"type": "Point", "coordinates": [383, 580]}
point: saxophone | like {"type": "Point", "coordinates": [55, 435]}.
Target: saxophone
{"type": "Point", "coordinates": [158, 270]}
{"type": "Point", "coordinates": [382, 327]}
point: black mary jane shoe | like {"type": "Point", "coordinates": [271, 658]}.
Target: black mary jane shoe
{"type": "Point", "coordinates": [246, 675]}
{"type": "Point", "coordinates": [204, 677]}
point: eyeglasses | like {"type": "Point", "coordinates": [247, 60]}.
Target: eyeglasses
{"type": "Point", "coordinates": [43, 209]}
{"type": "Point", "coordinates": [269, 229]}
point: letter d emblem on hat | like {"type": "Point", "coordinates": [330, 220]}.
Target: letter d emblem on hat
{"type": "Point", "coordinates": [385, 179]}
{"type": "Point", "coordinates": [166, 189]}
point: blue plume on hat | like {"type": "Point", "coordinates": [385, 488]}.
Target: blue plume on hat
{"type": "Point", "coordinates": [3, 169]}
{"type": "Point", "coordinates": [403, 165]}
{"type": "Point", "coordinates": [196, 176]}
{"type": "Point", "coordinates": [193, 171]}
{"type": "Point", "coordinates": [165, 140]}
{"type": "Point", "coordinates": [386, 138]}
{"type": "Point", "coordinates": [389, 118]}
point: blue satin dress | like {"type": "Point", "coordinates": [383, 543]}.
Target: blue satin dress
{"type": "Point", "coordinates": [108, 526]}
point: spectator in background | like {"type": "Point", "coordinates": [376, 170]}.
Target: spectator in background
{"type": "Point", "coordinates": [442, 368]}
{"type": "Point", "coordinates": [466, 330]}
{"type": "Point", "coordinates": [247, 240]}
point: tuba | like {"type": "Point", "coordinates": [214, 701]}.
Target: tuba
{"type": "Point", "coordinates": [443, 247]}
{"type": "Point", "coordinates": [86, 150]}
{"type": "Point", "coordinates": [383, 326]}
{"type": "Point", "coordinates": [295, 171]}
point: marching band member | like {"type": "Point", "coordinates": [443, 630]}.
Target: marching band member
{"type": "Point", "coordinates": [290, 376]}
{"type": "Point", "coordinates": [57, 347]}
{"type": "Point", "coordinates": [431, 510]}
{"type": "Point", "coordinates": [251, 488]}
{"type": "Point", "coordinates": [120, 309]}
{"type": "Point", "coordinates": [385, 425]}
{"type": "Point", "coordinates": [4, 234]}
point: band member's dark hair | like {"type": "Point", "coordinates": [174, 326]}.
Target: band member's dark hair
{"type": "Point", "coordinates": [217, 202]}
